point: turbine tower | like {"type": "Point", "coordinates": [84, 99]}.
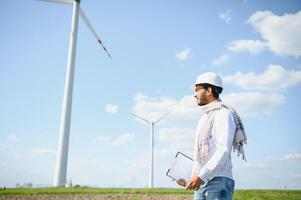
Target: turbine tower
{"type": "Point", "coordinates": [151, 168]}
{"type": "Point", "coordinates": [63, 142]}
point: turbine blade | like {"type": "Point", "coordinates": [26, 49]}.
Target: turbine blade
{"type": "Point", "coordinates": [59, 1]}
{"type": "Point", "coordinates": [141, 118]}
{"type": "Point", "coordinates": [87, 22]}
{"type": "Point", "coordinates": [162, 117]}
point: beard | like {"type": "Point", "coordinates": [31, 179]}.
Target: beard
{"type": "Point", "coordinates": [201, 104]}
{"type": "Point", "coordinates": [202, 100]}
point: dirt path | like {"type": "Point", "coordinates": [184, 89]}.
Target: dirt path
{"type": "Point", "coordinates": [97, 197]}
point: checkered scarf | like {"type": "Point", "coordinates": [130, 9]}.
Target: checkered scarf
{"type": "Point", "coordinates": [240, 136]}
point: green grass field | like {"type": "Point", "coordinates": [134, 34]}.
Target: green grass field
{"type": "Point", "coordinates": [93, 191]}
{"type": "Point", "coordinates": [238, 194]}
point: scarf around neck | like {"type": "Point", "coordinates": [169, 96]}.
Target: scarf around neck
{"type": "Point", "coordinates": [240, 136]}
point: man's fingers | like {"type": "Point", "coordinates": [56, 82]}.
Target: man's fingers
{"type": "Point", "coordinates": [181, 182]}
{"type": "Point", "coordinates": [188, 187]}
{"type": "Point", "coordinates": [192, 185]}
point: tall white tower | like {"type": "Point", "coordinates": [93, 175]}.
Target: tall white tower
{"type": "Point", "coordinates": [151, 156]}
{"type": "Point", "coordinates": [63, 143]}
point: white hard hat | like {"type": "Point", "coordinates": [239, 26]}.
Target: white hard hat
{"type": "Point", "coordinates": [210, 78]}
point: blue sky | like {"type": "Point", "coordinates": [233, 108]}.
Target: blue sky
{"type": "Point", "coordinates": [158, 48]}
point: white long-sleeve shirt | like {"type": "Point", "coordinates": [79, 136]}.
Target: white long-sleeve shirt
{"type": "Point", "coordinates": [218, 162]}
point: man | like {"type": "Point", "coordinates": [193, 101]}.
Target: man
{"type": "Point", "coordinates": [219, 129]}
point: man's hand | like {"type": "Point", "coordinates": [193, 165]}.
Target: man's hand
{"type": "Point", "coordinates": [194, 183]}
{"type": "Point", "coordinates": [181, 182]}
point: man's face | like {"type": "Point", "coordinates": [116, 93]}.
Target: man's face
{"type": "Point", "coordinates": [200, 95]}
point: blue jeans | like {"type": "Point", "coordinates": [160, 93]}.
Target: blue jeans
{"type": "Point", "coordinates": [218, 188]}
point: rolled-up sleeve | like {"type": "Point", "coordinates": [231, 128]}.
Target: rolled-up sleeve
{"type": "Point", "coordinates": [224, 128]}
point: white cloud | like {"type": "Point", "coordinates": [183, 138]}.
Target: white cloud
{"type": "Point", "coordinates": [85, 161]}
{"type": "Point", "coordinates": [166, 152]}
{"type": "Point", "coordinates": [186, 108]}
{"type": "Point", "coordinates": [185, 112]}
{"type": "Point", "coordinates": [281, 172]}
{"type": "Point", "coordinates": [139, 96]}
{"type": "Point", "coordinates": [182, 110]}
{"type": "Point", "coordinates": [41, 152]}
{"type": "Point", "coordinates": [281, 34]}
{"type": "Point", "coordinates": [226, 16]}
{"type": "Point", "coordinates": [12, 137]}
{"type": "Point", "coordinates": [19, 156]}
{"type": "Point", "coordinates": [292, 156]}
{"type": "Point", "coordinates": [124, 139]}
{"type": "Point", "coordinates": [139, 162]}
{"type": "Point", "coordinates": [251, 46]}
{"type": "Point", "coordinates": [254, 103]}
{"type": "Point", "coordinates": [297, 176]}
{"type": "Point", "coordinates": [222, 60]}
{"type": "Point", "coordinates": [274, 78]}
{"type": "Point", "coordinates": [177, 139]}
{"type": "Point", "coordinates": [151, 109]}
{"type": "Point", "coordinates": [184, 54]}
{"type": "Point", "coordinates": [253, 166]}
{"type": "Point", "coordinates": [111, 108]}
{"type": "Point", "coordinates": [103, 138]}
{"type": "Point", "coordinates": [287, 157]}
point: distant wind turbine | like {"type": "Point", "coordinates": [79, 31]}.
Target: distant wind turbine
{"type": "Point", "coordinates": [152, 123]}
{"type": "Point", "coordinates": [63, 142]}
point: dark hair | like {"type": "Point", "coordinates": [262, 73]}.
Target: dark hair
{"type": "Point", "coordinates": [215, 89]}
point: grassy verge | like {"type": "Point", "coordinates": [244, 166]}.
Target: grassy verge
{"type": "Point", "coordinates": [94, 191]}
{"type": "Point", "coordinates": [267, 195]}
{"type": "Point", "coordinates": [238, 194]}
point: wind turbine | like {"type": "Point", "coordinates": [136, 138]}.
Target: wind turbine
{"type": "Point", "coordinates": [152, 123]}
{"type": "Point", "coordinates": [63, 142]}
